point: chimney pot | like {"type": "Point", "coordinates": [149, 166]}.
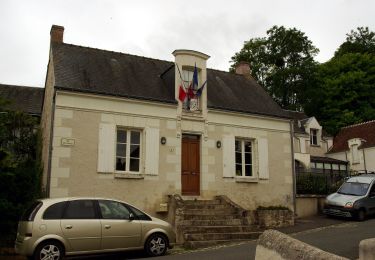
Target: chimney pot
{"type": "Point", "coordinates": [243, 68]}
{"type": "Point", "coordinates": [57, 33]}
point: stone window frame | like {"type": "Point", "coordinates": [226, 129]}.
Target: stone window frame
{"type": "Point", "coordinates": [127, 156]}
{"type": "Point", "coordinates": [243, 159]}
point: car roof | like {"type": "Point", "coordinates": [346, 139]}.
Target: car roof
{"type": "Point", "coordinates": [365, 178]}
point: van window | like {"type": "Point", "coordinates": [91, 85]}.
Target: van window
{"type": "Point", "coordinates": [55, 211]}
{"type": "Point", "coordinates": [80, 209]}
{"type": "Point", "coordinates": [31, 211]}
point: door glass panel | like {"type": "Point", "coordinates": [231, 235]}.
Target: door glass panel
{"type": "Point", "coordinates": [121, 136]}
{"type": "Point", "coordinates": [80, 209]}
{"type": "Point", "coordinates": [113, 210]}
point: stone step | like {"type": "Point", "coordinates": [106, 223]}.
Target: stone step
{"type": "Point", "coordinates": [210, 216]}
{"type": "Point", "coordinates": [221, 236]}
{"type": "Point", "coordinates": [216, 229]}
{"type": "Point", "coordinates": [226, 211]}
{"type": "Point", "coordinates": [210, 222]}
{"type": "Point", "coordinates": [202, 202]}
{"type": "Point", "coordinates": [210, 243]}
{"type": "Point", "coordinates": [208, 206]}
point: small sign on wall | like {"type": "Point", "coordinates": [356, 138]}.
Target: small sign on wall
{"type": "Point", "coordinates": [68, 141]}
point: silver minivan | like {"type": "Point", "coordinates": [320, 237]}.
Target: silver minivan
{"type": "Point", "coordinates": [53, 228]}
{"type": "Point", "coordinates": [355, 198]}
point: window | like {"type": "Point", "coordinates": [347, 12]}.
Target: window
{"type": "Point", "coordinates": [244, 159]}
{"type": "Point", "coordinates": [139, 214]}
{"type": "Point", "coordinates": [31, 211]}
{"type": "Point", "coordinates": [128, 150]}
{"type": "Point", "coordinates": [54, 211]}
{"type": "Point", "coordinates": [113, 210]}
{"type": "Point", "coordinates": [313, 136]}
{"type": "Point", "coordinates": [191, 101]}
{"type": "Point", "coordinates": [80, 209]}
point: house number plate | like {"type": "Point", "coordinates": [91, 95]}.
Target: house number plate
{"type": "Point", "coordinates": [68, 142]}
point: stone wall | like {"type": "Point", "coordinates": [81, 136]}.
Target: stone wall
{"type": "Point", "coordinates": [275, 245]}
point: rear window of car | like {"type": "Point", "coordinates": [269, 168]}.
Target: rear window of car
{"type": "Point", "coordinates": [30, 212]}
{"type": "Point", "coordinates": [55, 211]}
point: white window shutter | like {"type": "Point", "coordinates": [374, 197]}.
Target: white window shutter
{"type": "Point", "coordinates": [229, 166]}
{"type": "Point", "coordinates": [152, 151]}
{"type": "Point", "coordinates": [263, 159]}
{"type": "Point", "coordinates": [106, 148]}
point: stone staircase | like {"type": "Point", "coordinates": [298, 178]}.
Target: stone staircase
{"type": "Point", "coordinates": [203, 223]}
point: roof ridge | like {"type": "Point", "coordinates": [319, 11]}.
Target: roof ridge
{"type": "Point", "coordinates": [116, 52]}
{"type": "Point", "coordinates": [363, 123]}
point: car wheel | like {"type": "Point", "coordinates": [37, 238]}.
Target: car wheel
{"type": "Point", "coordinates": [156, 245]}
{"type": "Point", "coordinates": [361, 215]}
{"type": "Point", "coordinates": [50, 250]}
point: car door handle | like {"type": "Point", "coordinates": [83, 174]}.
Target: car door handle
{"type": "Point", "coordinates": [107, 226]}
{"type": "Point", "coordinates": [68, 227]}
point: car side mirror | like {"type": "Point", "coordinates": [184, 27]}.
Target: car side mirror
{"type": "Point", "coordinates": [131, 216]}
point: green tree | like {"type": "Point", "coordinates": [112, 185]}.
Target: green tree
{"type": "Point", "coordinates": [344, 92]}
{"type": "Point", "coordinates": [19, 168]}
{"type": "Point", "coordinates": [283, 62]}
{"type": "Point", "coordinates": [360, 41]}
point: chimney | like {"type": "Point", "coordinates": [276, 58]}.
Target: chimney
{"type": "Point", "coordinates": [243, 68]}
{"type": "Point", "coordinates": [57, 33]}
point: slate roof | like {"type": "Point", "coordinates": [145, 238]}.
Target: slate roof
{"type": "Point", "coordinates": [104, 72]}
{"type": "Point", "coordinates": [364, 131]}
{"type": "Point", "coordinates": [26, 99]}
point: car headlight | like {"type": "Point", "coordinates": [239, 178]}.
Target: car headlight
{"type": "Point", "coordinates": [349, 205]}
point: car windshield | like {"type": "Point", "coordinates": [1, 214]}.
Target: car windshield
{"type": "Point", "coordinates": [354, 188]}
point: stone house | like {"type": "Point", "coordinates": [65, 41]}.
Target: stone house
{"type": "Point", "coordinates": [356, 144]}
{"type": "Point", "coordinates": [114, 126]}
{"type": "Point", "coordinates": [311, 144]}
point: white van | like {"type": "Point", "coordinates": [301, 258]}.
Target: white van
{"type": "Point", "coordinates": [355, 198]}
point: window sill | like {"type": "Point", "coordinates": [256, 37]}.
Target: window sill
{"type": "Point", "coordinates": [246, 179]}
{"type": "Point", "coordinates": [314, 145]}
{"type": "Point", "coordinates": [128, 176]}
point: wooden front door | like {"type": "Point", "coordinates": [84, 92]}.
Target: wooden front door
{"type": "Point", "coordinates": [190, 165]}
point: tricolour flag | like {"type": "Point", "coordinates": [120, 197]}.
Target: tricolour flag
{"type": "Point", "coordinates": [195, 77]}
{"type": "Point", "coordinates": [181, 94]}
{"type": "Point", "coordinates": [200, 90]}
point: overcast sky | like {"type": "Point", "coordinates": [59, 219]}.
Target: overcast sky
{"type": "Point", "coordinates": [156, 28]}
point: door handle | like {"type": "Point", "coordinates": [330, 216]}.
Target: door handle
{"type": "Point", "coordinates": [68, 227]}
{"type": "Point", "coordinates": [193, 173]}
{"type": "Point", "coordinates": [107, 226]}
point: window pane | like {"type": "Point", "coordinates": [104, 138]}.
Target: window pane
{"type": "Point", "coordinates": [247, 147]}
{"type": "Point", "coordinates": [134, 151]}
{"type": "Point", "coordinates": [135, 137]}
{"type": "Point", "coordinates": [238, 170]}
{"type": "Point", "coordinates": [134, 165]}
{"type": "Point", "coordinates": [238, 158]}
{"type": "Point", "coordinates": [335, 166]}
{"type": "Point", "coordinates": [113, 210]}
{"type": "Point", "coordinates": [343, 167]}
{"type": "Point", "coordinates": [248, 170]}
{"type": "Point", "coordinates": [327, 166]}
{"type": "Point", "coordinates": [55, 211]}
{"type": "Point", "coordinates": [319, 165]}
{"type": "Point", "coordinates": [121, 136]}
{"type": "Point", "coordinates": [248, 158]}
{"type": "Point", "coordinates": [120, 164]}
{"type": "Point", "coordinates": [121, 150]}
{"type": "Point", "coordinates": [80, 209]}
{"type": "Point", "coordinates": [238, 146]}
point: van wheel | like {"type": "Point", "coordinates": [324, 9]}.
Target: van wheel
{"type": "Point", "coordinates": [361, 215]}
{"type": "Point", "coordinates": [50, 250]}
{"type": "Point", "coordinates": [156, 245]}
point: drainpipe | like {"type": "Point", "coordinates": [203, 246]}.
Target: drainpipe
{"type": "Point", "coordinates": [48, 188]}
{"type": "Point", "coordinates": [293, 167]}
{"type": "Point", "coordinates": [364, 159]}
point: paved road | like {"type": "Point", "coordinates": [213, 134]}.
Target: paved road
{"type": "Point", "coordinates": [337, 236]}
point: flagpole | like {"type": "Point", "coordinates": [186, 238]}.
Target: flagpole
{"type": "Point", "coordinates": [179, 72]}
